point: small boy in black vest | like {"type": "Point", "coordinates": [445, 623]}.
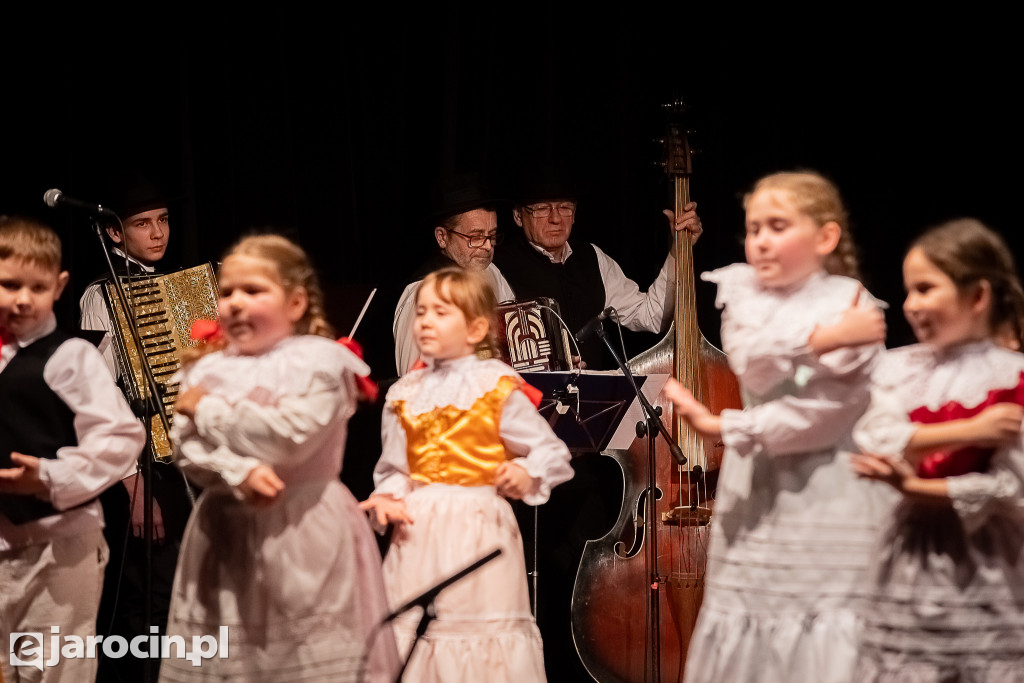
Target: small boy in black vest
{"type": "Point", "coordinates": [66, 434]}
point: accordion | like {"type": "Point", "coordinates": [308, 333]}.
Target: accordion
{"type": "Point", "coordinates": [532, 337]}
{"type": "Point", "coordinates": [163, 308]}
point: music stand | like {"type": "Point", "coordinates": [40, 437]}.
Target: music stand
{"type": "Point", "coordinates": [587, 411]}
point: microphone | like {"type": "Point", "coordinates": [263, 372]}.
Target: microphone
{"type": "Point", "coordinates": [594, 323]}
{"type": "Point", "coordinates": [54, 198]}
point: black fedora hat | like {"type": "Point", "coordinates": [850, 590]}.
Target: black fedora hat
{"type": "Point", "coordinates": [456, 193]}
{"type": "Point", "coordinates": [130, 191]}
{"type": "Point", "coordinates": [547, 181]}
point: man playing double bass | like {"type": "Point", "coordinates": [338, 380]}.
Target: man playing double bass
{"type": "Point", "coordinates": [542, 260]}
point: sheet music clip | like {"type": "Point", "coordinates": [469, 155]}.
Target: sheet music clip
{"type": "Point", "coordinates": [566, 398]}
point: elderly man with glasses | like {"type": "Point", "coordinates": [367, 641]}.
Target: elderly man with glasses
{"type": "Point", "coordinates": [466, 229]}
{"type": "Point", "coordinates": [542, 261]}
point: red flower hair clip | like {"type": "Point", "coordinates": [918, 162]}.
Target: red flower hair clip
{"type": "Point", "coordinates": [206, 330]}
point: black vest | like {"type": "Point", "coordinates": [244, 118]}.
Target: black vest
{"type": "Point", "coordinates": [33, 420]}
{"type": "Point", "coordinates": [576, 285]}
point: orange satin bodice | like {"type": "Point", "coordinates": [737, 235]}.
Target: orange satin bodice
{"type": "Point", "coordinates": [449, 445]}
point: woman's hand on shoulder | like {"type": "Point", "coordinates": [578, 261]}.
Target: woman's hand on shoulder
{"type": "Point", "coordinates": [513, 481]}
{"type": "Point", "coordinates": [262, 486]}
{"type": "Point", "coordinates": [386, 510]}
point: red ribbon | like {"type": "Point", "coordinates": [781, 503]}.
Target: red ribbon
{"type": "Point", "coordinates": [206, 330]}
{"type": "Point", "coordinates": [5, 337]}
{"type": "Point", "coordinates": [367, 387]}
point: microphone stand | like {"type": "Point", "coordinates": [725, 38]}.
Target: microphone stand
{"type": "Point", "coordinates": [426, 601]}
{"type": "Point", "coordinates": [652, 426]}
{"type": "Point", "coordinates": [151, 405]}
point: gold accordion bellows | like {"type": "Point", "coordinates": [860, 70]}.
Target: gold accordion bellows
{"type": "Point", "coordinates": [165, 307]}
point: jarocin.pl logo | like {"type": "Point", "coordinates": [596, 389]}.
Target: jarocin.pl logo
{"type": "Point", "coordinates": [27, 647]}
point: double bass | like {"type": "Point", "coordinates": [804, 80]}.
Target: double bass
{"type": "Point", "coordinates": [638, 589]}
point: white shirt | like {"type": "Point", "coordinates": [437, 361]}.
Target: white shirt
{"type": "Point", "coordinates": [110, 439]}
{"type": "Point", "coordinates": [96, 315]}
{"type": "Point", "coordinates": [287, 408]}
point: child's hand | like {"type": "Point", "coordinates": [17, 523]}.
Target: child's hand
{"type": "Point", "coordinates": [261, 486]}
{"type": "Point", "coordinates": [24, 479]}
{"type": "Point", "coordinates": [187, 401]}
{"type": "Point", "coordinates": [997, 425]}
{"type": "Point", "coordinates": [893, 471]}
{"type": "Point", "coordinates": [386, 510]}
{"type": "Point", "coordinates": [513, 481]}
{"type": "Point", "coordinates": [693, 411]}
{"type": "Point", "coordinates": [857, 326]}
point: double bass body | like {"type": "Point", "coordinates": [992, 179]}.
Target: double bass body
{"type": "Point", "coordinates": [638, 589]}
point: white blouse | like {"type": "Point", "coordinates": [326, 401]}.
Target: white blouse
{"type": "Point", "coordinates": [459, 383]}
{"type": "Point", "coordinates": [279, 408]}
{"type": "Point", "coordinates": [919, 376]}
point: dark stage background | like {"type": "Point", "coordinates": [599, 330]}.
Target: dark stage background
{"type": "Point", "coordinates": [334, 131]}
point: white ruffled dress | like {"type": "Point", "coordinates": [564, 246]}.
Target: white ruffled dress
{"type": "Point", "coordinates": [948, 591]}
{"type": "Point", "coordinates": [298, 583]}
{"type": "Point", "coordinates": [467, 416]}
{"type": "Point", "coordinates": [793, 528]}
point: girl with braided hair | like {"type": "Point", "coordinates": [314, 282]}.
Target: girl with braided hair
{"type": "Point", "coordinates": [277, 549]}
{"type": "Point", "coordinates": [794, 527]}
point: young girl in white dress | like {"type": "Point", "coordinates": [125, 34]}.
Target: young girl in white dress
{"type": "Point", "coordinates": [277, 549]}
{"type": "Point", "coordinates": [459, 437]}
{"type": "Point", "coordinates": [792, 527]}
{"type": "Point", "coordinates": [944, 430]}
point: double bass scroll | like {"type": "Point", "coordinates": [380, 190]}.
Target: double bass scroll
{"type": "Point", "coordinates": [639, 588]}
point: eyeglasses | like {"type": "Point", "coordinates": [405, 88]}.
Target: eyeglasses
{"type": "Point", "coordinates": [565, 210]}
{"type": "Point", "coordinates": [477, 241]}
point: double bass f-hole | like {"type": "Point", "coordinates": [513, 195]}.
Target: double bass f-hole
{"type": "Point", "coordinates": [639, 525]}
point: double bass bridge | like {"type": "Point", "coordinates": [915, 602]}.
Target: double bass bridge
{"type": "Point", "coordinates": [687, 516]}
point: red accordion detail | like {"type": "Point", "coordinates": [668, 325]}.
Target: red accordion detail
{"type": "Point", "coordinates": [971, 458]}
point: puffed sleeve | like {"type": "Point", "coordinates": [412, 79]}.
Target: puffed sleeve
{"type": "Point", "coordinates": [391, 474]}
{"type": "Point", "coordinates": [110, 437]}
{"type": "Point", "coordinates": [978, 496]}
{"type": "Point", "coordinates": [815, 420]}
{"type": "Point", "coordinates": [530, 438]}
{"type": "Point", "coordinates": [289, 428]}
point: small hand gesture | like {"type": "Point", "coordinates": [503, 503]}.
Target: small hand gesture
{"type": "Point", "coordinates": [188, 400]}
{"type": "Point", "coordinates": [386, 510]}
{"type": "Point", "coordinates": [513, 481]}
{"type": "Point", "coordinates": [893, 471]}
{"type": "Point", "coordinates": [693, 411]}
{"type": "Point", "coordinates": [23, 479]}
{"type": "Point", "coordinates": [858, 325]}
{"type": "Point", "coordinates": [688, 221]}
{"type": "Point", "coordinates": [997, 425]}
{"type": "Point", "coordinates": [262, 486]}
